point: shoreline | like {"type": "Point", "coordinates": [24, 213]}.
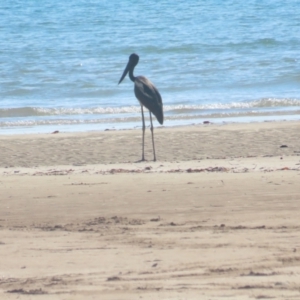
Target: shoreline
{"type": "Point", "coordinates": [95, 127]}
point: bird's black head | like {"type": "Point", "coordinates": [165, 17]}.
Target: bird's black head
{"type": "Point", "coordinates": [133, 61]}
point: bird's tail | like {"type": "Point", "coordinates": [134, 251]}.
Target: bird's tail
{"type": "Point", "coordinates": [159, 114]}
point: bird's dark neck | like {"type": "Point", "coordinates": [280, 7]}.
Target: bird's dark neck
{"type": "Point", "coordinates": [131, 76]}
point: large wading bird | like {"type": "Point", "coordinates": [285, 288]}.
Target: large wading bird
{"type": "Point", "coordinates": [148, 96]}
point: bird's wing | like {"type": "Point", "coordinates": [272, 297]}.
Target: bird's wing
{"type": "Point", "coordinates": [149, 96]}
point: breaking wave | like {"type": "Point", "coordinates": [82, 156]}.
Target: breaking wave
{"type": "Point", "coordinates": [263, 104]}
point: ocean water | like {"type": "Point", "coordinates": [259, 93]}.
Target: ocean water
{"type": "Point", "coordinates": [217, 61]}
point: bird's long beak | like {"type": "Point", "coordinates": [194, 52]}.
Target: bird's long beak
{"type": "Point", "coordinates": [125, 72]}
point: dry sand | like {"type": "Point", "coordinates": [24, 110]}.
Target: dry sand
{"type": "Point", "coordinates": [217, 217]}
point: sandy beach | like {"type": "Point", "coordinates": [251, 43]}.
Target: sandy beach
{"type": "Point", "coordinates": [216, 217]}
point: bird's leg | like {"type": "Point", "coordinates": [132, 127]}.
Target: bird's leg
{"type": "Point", "coordinates": [152, 133]}
{"type": "Point", "coordinates": [144, 128]}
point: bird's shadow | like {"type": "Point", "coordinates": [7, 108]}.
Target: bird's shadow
{"type": "Point", "coordinates": [140, 161]}
{"type": "Point", "coordinates": [144, 160]}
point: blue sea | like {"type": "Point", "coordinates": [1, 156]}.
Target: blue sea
{"type": "Point", "coordinates": [217, 61]}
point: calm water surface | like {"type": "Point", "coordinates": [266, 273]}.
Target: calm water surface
{"type": "Point", "coordinates": [222, 61]}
